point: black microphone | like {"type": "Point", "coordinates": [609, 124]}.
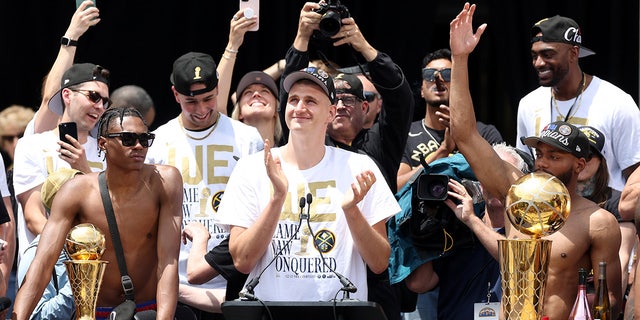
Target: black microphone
{"type": "Point", "coordinates": [5, 303]}
{"type": "Point", "coordinates": [347, 285]}
{"type": "Point", "coordinates": [247, 292]}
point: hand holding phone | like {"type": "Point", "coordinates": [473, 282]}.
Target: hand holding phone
{"type": "Point", "coordinates": [79, 2]}
{"type": "Point", "coordinates": [69, 128]}
{"type": "Point", "coordinates": [251, 9]}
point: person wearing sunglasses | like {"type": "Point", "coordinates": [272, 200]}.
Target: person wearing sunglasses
{"type": "Point", "coordinates": [147, 204]}
{"type": "Point", "coordinates": [70, 93]}
{"type": "Point", "coordinates": [82, 99]}
{"type": "Point", "coordinates": [428, 137]}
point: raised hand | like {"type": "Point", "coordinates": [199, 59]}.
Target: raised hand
{"type": "Point", "coordinates": [462, 39]}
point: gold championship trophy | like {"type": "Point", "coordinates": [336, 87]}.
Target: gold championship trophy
{"type": "Point", "coordinates": [537, 205]}
{"type": "Point", "coordinates": [85, 245]}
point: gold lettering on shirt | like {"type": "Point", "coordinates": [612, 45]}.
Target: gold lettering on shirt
{"type": "Point", "coordinates": [212, 160]}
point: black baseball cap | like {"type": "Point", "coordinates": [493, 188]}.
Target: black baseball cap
{"type": "Point", "coordinates": [564, 136]}
{"type": "Point", "coordinates": [319, 76]}
{"type": "Point", "coordinates": [560, 29]}
{"type": "Point", "coordinates": [349, 83]}
{"type": "Point", "coordinates": [194, 67]}
{"type": "Point", "coordinates": [596, 139]}
{"type": "Point", "coordinates": [77, 74]}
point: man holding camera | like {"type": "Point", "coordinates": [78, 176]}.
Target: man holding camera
{"type": "Point", "coordinates": [384, 141]}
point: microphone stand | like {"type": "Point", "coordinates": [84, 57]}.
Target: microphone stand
{"type": "Point", "coordinates": [347, 285]}
{"type": "Point", "coordinates": [247, 292]}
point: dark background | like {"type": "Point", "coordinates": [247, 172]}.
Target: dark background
{"type": "Point", "coordinates": [139, 40]}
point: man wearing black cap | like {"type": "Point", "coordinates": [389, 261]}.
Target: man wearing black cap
{"type": "Point", "coordinates": [344, 196]}
{"type": "Point", "coordinates": [568, 94]}
{"type": "Point", "coordinates": [82, 99]}
{"type": "Point", "coordinates": [205, 145]}
{"type": "Point", "coordinates": [385, 140]}
{"type": "Point", "coordinates": [589, 235]}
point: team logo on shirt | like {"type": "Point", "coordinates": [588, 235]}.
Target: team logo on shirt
{"type": "Point", "coordinates": [325, 240]}
{"type": "Point", "coordinates": [215, 200]}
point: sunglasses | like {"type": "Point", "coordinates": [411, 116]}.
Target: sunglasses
{"type": "Point", "coordinates": [129, 139]}
{"type": "Point", "coordinates": [94, 97]}
{"type": "Point", "coordinates": [370, 96]}
{"type": "Point", "coordinates": [430, 74]}
{"type": "Point", "coordinates": [348, 100]}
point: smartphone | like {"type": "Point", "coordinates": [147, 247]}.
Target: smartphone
{"type": "Point", "coordinates": [252, 8]}
{"type": "Point", "coordinates": [69, 128]}
{"type": "Point", "coordinates": [79, 2]}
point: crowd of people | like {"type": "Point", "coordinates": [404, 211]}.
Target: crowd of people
{"type": "Point", "coordinates": [302, 184]}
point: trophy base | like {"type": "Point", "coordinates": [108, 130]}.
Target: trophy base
{"type": "Point", "coordinates": [85, 278]}
{"type": "Point", "coordinates": [523, 267]}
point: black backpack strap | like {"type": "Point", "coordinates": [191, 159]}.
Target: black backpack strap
{"type": "Point", "coordinates": [127, 284]}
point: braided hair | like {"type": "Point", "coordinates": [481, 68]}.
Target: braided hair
{"type": "Point", "coordinates": [117, 113]}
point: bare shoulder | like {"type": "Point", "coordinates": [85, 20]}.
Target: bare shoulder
{"type": "Point", "coordinates": [164, 177]}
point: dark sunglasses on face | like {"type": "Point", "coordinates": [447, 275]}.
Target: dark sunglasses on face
{"type": "Point", "coordinates": [94, 97]}
{"type": "Point", "coordinates": [430, 74]}
{"type": "Point", "coordinates": [129, 138]}
{"type": "Point", "coordinates": [370, 96]}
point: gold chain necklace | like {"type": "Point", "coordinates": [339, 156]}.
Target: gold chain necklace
{"type": "Point", "coordinates": [213, 127]}
{"type": "Point", "coordinates": [577, 100]}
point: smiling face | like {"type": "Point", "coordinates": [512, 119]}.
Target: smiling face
{"type": "Point", "coordinates": [80, 108]}
{"type": "Point", "coordinates": [198, 112]}
{"type": "Point", "coordinates": [552, 61]}
{"type": "Point", "coordinates": [309, 109]}
{"type": "Point", "coordinates": [257, 103]}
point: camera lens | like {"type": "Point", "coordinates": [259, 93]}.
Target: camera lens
{"type": "Point", "coordinates": [330, 23]}
{"type": "Point", "coordinates": [437, 189]}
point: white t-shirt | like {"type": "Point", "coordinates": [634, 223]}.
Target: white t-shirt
{"type": "Point", "coordinates": [298, 272]}
{"type": "Point", "coordinates": [4, 187]}
{"type": "Point", "coordinates": [205, 161]}
{"type": "Point", "coordinates": [36, 157]}
{"type": "Point", "coordinates": [602, 106]}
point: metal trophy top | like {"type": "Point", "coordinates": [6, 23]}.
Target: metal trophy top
{"type": "Point", "coordinates": [85, 242]}
{"type": "Point", "coordinates": [538, 204]}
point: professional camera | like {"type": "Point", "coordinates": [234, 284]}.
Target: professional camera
{"type": "Point", "coordinates": [433, 227]}
{"type": "Point", "coordinates": [432, 187]}
{"type": "Point", "coordinates": [332, 15]}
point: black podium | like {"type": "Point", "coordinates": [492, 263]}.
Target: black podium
{"type": "Point", "coordinates": [308, 310]}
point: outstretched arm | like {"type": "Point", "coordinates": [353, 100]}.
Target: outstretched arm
{"type": "Point", "coordinates": [494, 174]}
{"type": "Point", "coordinates": [239, 25]}
{"type": "Point", "coordinates": [82, 19]}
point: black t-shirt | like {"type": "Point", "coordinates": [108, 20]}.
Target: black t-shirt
{"type": "Point", "coordinates": [424, 140]}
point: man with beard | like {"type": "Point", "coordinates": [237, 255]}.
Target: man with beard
{"type": "Point", "coordinates": [428, 137]}
{"type": "Point", "coordinates": [569, 94]}
{"type": "Point", "coordinates": [590, 234]}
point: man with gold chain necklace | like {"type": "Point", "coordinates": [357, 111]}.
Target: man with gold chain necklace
{"type": "Point", "coordinates": [567, 93]}
{"type": "Point", "coordinates": [205, 146]}
{"type": "Point", "coordinates": [428, 137]}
